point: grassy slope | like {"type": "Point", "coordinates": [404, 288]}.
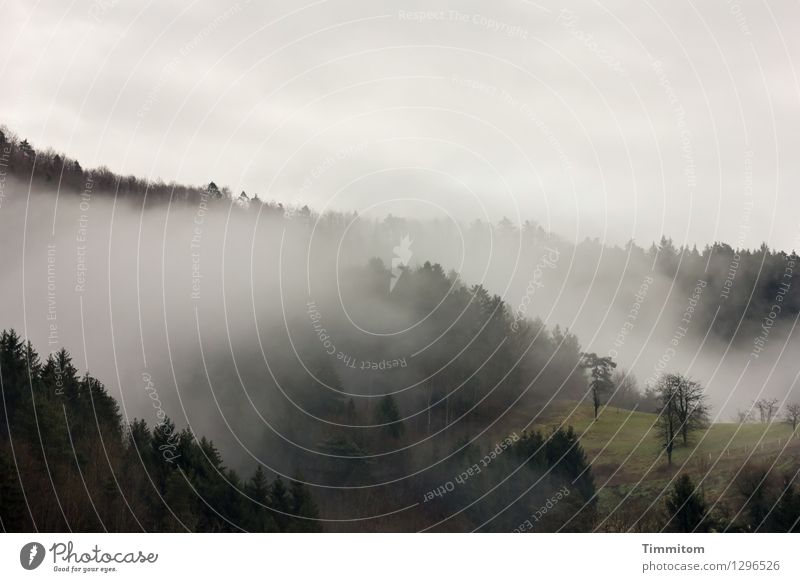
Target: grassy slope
{"type": "Point", "coordinates": [624, 449]}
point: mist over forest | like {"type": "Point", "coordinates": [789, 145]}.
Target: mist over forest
{"type": "Point", "coordinates": [365, 360]}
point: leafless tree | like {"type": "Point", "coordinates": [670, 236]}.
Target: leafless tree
{"type": "Point", "coordinates": [743, 416]}
{"type": "Point", "coordinates": [692, 408]}
{"type": "Point", "coordinates": [682, 410]}
{"type": "Point", "coordinates": [792, 414]}
{"type": "Point", "coordinates": [667, 422]}
{"type": "Point", "coordinates": [767, 407]}
{"type": "Point", "coordinates": [626, 394]}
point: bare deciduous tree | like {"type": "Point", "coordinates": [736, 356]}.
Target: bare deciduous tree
{"type": "Point", "coordinates": [692, 409]}
{"type": "Point", "coordinates": [667, 422]}
{"type": "Point", "coordinates": [626, 394]}
{"type": "Point", "coordinates": [792, 414]}
{"type": "Point", "coordinates": [767, 407]}
{"type": "Point", "coordinates": [682, 410]}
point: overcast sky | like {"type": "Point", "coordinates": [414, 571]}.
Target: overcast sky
{"type": "Point", "coordinates": [601, 119]}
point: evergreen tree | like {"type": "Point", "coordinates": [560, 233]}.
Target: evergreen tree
{"type": "Point", "coordinates": [686, 508]}
{"type": "Point", "coordinates": [389, 415]}
{"type": "Point", "coordinates": [179, 498]}
{"type": "Point", "coordinates": [281, 503]}
{"type": "Point", "coordinates": [258, 517]}
{"type": "Point", "coordinates": [26, 149]}
{"type": "Point", "coordinates": [786, 516]}
{"type": "Point", "coordinates": [14, 515]}
{"type": "Point", "coordinates": [601, 382]}
{"type": "Point", "coordinates": [303, 506]}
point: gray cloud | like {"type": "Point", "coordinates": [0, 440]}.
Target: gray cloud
{"type": "Point", "coordinates": [468, 106]}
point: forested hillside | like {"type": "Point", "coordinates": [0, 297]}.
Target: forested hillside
{"type": "Point", "coordinates": [71, 463]}
{"type": "Point", "coordinates": [743, 283]}
{"type": "Point", "coordinates": [360, 373]}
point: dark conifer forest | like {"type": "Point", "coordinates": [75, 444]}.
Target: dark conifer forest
{"type": "Point", "coordinates": [491, 410]}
